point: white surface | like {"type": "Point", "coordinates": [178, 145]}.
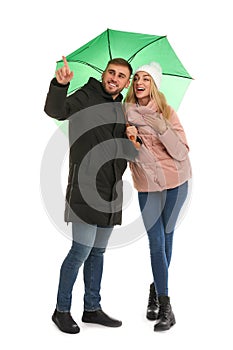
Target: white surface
{"type": "Point", "coordinates": [34, 36]}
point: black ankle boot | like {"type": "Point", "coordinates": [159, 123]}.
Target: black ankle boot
{"type": "Point", "coordinates": [166, 316]}
{"type": "Point", "coordinates": [153, 304]}
{"type": "Point", "coordinates": [65, 322]}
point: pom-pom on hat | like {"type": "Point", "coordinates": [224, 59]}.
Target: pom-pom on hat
{"type": "Point", "coordinates": [154, 70]}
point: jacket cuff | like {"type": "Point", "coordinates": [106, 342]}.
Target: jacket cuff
{"type": "Point", "coordinates": [56, 83]}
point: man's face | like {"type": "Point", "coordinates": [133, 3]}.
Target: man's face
{"type": "Point", "coordinates": [115, 78]}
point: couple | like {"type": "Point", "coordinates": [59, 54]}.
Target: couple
{"type": "Point", "coordinates": [101, 144]}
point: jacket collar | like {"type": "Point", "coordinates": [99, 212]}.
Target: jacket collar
{"type": "Point", "coordinates": [97, 85]}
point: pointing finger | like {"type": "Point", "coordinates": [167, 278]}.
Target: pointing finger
{"type": "Point", "coordinates": [65, 61]}
{"type": "Point", "coordinates": [66, 64]}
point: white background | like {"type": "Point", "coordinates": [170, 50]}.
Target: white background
{"type": "Point", "coordinates": [34, 36]}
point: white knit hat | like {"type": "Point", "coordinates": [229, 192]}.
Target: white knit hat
{"type": "Point", "coordinates": [154, 70]}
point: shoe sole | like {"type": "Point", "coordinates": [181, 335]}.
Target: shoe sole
{"type": "Point", "coordinates": [102, 324]}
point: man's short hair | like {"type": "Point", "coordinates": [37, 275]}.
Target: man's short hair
{"type": "Point", "coordinates": [121, 62]}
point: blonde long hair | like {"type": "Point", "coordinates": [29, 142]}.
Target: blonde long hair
{"type": "Point", "coordinates": [155, 95]}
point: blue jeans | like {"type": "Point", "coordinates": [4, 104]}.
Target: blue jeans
{"type": "Point", "coordinates": [160, 211]}
{"type": "Point", "coordinates": [88, 246]}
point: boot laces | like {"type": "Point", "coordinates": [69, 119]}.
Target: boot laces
{"type": "Point", "coordinates": [165, 310]}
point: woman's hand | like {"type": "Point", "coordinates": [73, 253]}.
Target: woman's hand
{"type": "Point", "coordinates": [132, 133]}
{"type": "Point", "coordinates": [156, 122]}
{"type": "Point", "coordinates": [63, 74]}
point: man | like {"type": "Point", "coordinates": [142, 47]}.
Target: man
{"type": "Point", "coordinates": [99, 150]}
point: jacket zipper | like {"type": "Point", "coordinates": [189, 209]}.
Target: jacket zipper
{"type": "Point", "coordinates": [71, 189]}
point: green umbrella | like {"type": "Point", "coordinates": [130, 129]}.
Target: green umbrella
{"type": "Point", "coordinates": [91, 59]}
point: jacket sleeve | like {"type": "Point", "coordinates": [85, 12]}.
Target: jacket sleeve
{"type": "Point", "coordinates": [61, 107]}
{"type": "Point", "coordinates": [174, 139]}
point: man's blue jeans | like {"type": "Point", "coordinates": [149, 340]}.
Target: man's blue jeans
{"type": "Point", "coordinates": [160, 211]}
{"type": "Point", "coordinates": [88, 246]}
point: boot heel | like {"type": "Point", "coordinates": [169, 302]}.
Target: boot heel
{"type": "Point", "coordinates": [173, 322]}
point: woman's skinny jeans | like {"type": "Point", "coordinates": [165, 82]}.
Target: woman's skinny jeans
{"type": "Point", "coordinates": [160, 211]}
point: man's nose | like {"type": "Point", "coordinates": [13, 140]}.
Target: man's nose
{"type": "Point", "coordinates": [114, 77]}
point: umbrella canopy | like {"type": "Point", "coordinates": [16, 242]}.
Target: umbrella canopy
{"type": "Point", "coordinates": [138, 49]}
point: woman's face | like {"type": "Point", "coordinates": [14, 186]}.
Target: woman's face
{"type": "Point", "coordinates": [142, 86]}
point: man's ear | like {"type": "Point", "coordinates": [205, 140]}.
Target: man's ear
{"type": "Point", "coordinates": [127, 84]}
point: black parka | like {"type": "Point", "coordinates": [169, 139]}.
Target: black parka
{"type": "Point", "coordinates": [99, 151]}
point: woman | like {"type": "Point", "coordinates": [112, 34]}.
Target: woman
{"type": "Point", "coordinates": [160, 174]}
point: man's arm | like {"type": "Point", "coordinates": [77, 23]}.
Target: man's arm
{"type": "Point", "coordinates": [57, 104]}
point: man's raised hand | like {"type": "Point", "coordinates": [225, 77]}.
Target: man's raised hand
{"type": "Point", "coordinates": [63, 74]}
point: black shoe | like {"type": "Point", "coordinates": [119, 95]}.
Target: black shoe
{"type": "Point", "coordinates": [166, 316]}
{"type": "Point", "coordinates": [65, 322]}
{"type": "Point", "coordinates": [153, 304]}
{"type": "Point", "coordinates": [99, 317]}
